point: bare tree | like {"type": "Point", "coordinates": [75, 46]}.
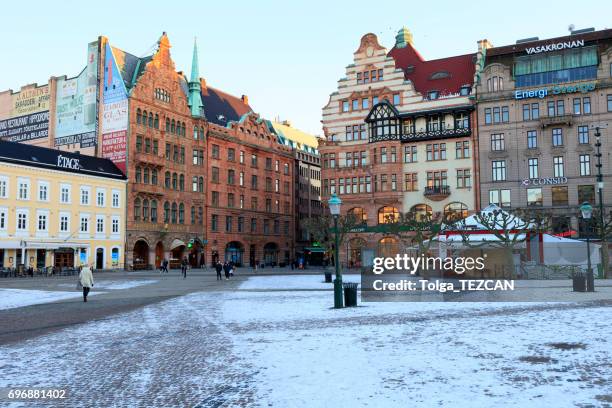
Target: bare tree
{"type": "Point", "coordinates": [321, 229]}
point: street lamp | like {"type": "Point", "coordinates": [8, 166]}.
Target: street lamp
{"type": "Point", "coordinates": [600, 187]}
{"type": "Point", "coordinates": [587, 211]}
{"type": "Point", "coordinates": [334, 208]}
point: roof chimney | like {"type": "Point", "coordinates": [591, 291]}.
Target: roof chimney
{"type": "Point", "coordinates": [245, 99]}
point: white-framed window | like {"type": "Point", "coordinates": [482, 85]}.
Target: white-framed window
{"type": "Point", "coordinates": [115, 225]}
{"type": "Point", "coordinates": [84, 223]}
{"type": "Point", "coordinates": [115, 200]}
{"type": "Point", "coordinates": [85, 195]}
{"type": "Point", "coordinates": [100, 197]}
{"type": "Point", "coordinates": [4, 187]}
{"type": "Point", "coordinates": [64, 222]}
{"type": "Point", "coordinates": [65, 190]}
{"type": "Point", "coordinates": [43, 191]}
{"type": "Point", "coordinates": [22, 220]}
{"type": "Point", "coordinates": [23, 188]}
{"type": "Point", "coordinates": [99, 224]}
{"type": "Point", "coordinates": [3, 218]}
{"type": "Point", "coordinates": [42, 221]}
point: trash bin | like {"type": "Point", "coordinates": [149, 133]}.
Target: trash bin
{"type": "Point", "coordinates": [579, 282]}
{"type": "Point", "coordinates": [328, 277]}
{"type": "Point", "coordinates": [350, 294]}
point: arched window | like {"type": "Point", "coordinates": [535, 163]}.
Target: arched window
{"type": "Point", "coordinates": [196, 135]}
{"type": "Point", "coordinates": [138, 116]}
{"type": "Point", "coordinates": [154, 177]}
{"type": "Point", "coordinates": [422, 212]}
{"type": "Point", "coordinates": [167, 124]}
{"type": "Point", "coordinates": [193, 215]}
{"type": "Point", "coordinates": [388, 215]}
{"type": "Point", "coordinates": [202, 132]}
{"type": "Point", "coordinates": [383, 122]}
{"type": "Point", "coordinates": [138, 175]}
{"type": "Point", "coordinates": [173, 126]}
{"type": "Point", "coordinates": [174, 181]}
{"type": "Point", "coordinates": [166, 212]}
{"type": "Point", "coordinates": [455, 211]}
{"type": "Point", "coordinates": [153, 210]}
{"type": "Point", "coordinates": [151, 119]}
{"type": "Point", "coordinates": [174, 211]}
{"type": "Point", "coordinates": [167, 180]}
{"type": "Point", "coordinates": [361, 217]}
{"type": "Point", "coordinates": [201, 184]}
{"type": "Point", "coordinates": [137, 209]}
{"type": "Point", "coordinates": [144, 117]}
{"type": "Point", "coordinates": [145, 210]}
{"type": "Point", "coordinates": [388, 247]}
{"type": "Point", "coordinates": [200, 215]}
{"type": "Point", "coordinates": [183, 130]}
{"type": "Point", "coordinates": [182, 182]}
{"type": "Point", "coordinates": [156, 123]}
{"type": "Point", "coordinates": [145, 178]}
{"type": "Point", "coordinates": [181, 213]}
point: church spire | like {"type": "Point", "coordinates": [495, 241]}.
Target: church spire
{"type": "Point", "coordinates": [195, 96]}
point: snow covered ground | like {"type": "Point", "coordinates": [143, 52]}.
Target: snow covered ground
{"type": "Point", "coordinates": [291, 349]}
{"type": "Point", "coordinates": [11, 298]}
{"type": "Point", "coordinates": [288, 282]}
{"type": "Point", "coordinates": [116, 284]}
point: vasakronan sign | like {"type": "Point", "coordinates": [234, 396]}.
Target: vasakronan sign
{"type": "Point", "coordinates": [555, 90]}
{"type": "Point", "coordinates": [555, 46]}
{"type": "Point", "coordinates": [543, 181]}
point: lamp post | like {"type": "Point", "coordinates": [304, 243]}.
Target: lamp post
{"type": "Point", "coordinates": [587, 211]}
{"type": "Point", "coordinates": [600, 187]}
{"type": "Point", "coordinates": [334, 208]}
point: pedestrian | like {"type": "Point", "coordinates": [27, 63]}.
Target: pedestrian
{"type": "Point", "coordinates": [86, 280]}
{"type": "Point", "coordinates": [219, 268]}
{"type": "Point", "coordinates": [232, 266]}
{"type": "Point", "coordinates": [184, 266]}
{"type": "Point", "coordinates": [164, 267]}
{"type": "Point", "coordinates": [226, 269]}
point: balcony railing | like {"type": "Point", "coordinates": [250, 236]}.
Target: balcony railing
{"type": "Point", "coordinates": [149, 158]}
{"type": "Point", "coordinates": [437, 193]}
{"type": "Point", "coordinates": [436, 134]}
{"type": "Point", "coordinates": [148, 189]}
{"type": "Point", "coordinates": [546, 121]}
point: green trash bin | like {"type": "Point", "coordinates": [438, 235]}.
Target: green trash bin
{"type": "Point", "coordinates": [350, 294]}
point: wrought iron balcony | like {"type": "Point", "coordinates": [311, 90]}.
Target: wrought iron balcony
{"type": "Point", "coordinates": [546, 121]}
{"type": "Point", "coordinates": [436, 134]}
{"type": "Point", "coordinates": [437, 193]}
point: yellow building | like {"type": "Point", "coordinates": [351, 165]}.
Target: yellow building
{"type": "Point", "coordinates": [60, 209]}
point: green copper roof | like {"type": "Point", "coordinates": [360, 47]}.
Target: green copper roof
{"type": "Point", "coordinates": [403, 38]}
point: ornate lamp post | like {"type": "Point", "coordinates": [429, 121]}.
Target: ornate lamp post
{"type": "Point", "coordinates": [600, 187]}
{"type": "Point", "coordinates": [587, 211]}
{"type": "Point", "coordinates": [334, 208]}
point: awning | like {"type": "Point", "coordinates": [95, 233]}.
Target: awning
{"type": "Point", "coordinates": [315, 249]}
{"type": "Point", "coordinates": [10, 244]}
{"type": "Point", "coordinates": [176, 243]}
{"type": "Point", "coordinates": [41, 245]}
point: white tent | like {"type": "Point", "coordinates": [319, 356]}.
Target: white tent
{"type": "Point", "coordinates": [565, 251]}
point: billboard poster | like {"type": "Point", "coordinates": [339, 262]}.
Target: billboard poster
{"type": "Point", "coordinates": [115, 113]}
{"type": "Point", "coordinates": [28, 116]}
{"type": "Point", "coordinates": [76, 111]}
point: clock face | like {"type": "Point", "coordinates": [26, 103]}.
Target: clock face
{"type": "Point", "coordinates": [369, 51]}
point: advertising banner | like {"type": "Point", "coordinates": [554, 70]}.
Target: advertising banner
{"type": "Point", "coordinates": [28, 118]}
{"type": "Point", "coordinates": [115, 113]}
{"type": "Point", "coordinates": [76, 112]}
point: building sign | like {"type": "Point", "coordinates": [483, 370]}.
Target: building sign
{"type": "Point", "coordinates": [115, 113]}
{"type": "Point", "coordinates": [76, 112]}
{"type": "Point", "coordinates": [555, 46]}
{"type": "Point", "coordinates": [555, 90]}
{"type": "Point", "coordinates": [543, 181]}
{"type": "Point", "coordinates": [68, 162]}
{"type": "Point", "coordinates": [27, 115]}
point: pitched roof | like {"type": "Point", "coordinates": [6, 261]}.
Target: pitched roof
{"type": "Point", "coordinates": [221, 107]}
{"type": "Point", "coordinates": [130, 66]}
{"type": "Point", "coordinates": [295, 138]}
{"type": "Point", "coordinates": [42, 157]}
{"type": "Point", "coordinates": [446, 75]}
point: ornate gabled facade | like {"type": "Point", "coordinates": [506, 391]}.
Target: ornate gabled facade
{"type": "Point", "coordinates": [399, 138]}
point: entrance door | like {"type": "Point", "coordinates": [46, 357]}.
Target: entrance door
{"type": "Point", "coordinates": [1, 258]}
{"type": "Point", "coordinates": [159, 254]}
{"type": "Point", "coordinates": [100, 258]}
{"type": "Point", "coordinates": [64, 258]}
{"type": "Point", "coordinates": [41, 254]}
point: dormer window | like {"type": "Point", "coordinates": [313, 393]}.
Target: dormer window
{"type": "Point", "coordinates": [433, 95]}
{"type": "Point", "coordinates": [440, 75]}
{"type": "Point", "coordinates": [465, 90]}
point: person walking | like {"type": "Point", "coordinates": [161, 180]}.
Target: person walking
{"type": "Point", "coordinates": [219, 268]}
{"type": "Point", "coordinates": [86, 280]}
{"type": "Point", "coordinates": [226, 269]}
{"type": "Point", "coordinates": [184, 266]}
{"type": "Point", "coordinates": [164, 266]}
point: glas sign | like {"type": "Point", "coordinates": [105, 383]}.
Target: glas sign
{"type": "Point", "coordinates": [554, 47]}
{"type": "Point", "coordinates": [555, 90]}
{"type": "Point", "coordinates": [68, 163]}
{"type": "Point", "coordinates": [543, 181]}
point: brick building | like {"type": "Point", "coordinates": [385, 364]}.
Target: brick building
{"type": "Point", "coordinates": [399, 138]}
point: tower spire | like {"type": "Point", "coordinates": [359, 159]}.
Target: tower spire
{"type": "Point", "coordinates": [195, 96]}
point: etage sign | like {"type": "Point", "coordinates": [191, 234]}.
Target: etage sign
{"type": "Point", "coordinates": [68, 163]}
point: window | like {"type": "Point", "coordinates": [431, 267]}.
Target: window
{"type": "Point", "coordinates": [84, 226]}
{"type": "Point", "coordinates": [534, 197]}
{"type": "Point", "coordinates": [560, 107]}
{"type": "Point", "coordinates": [43, 191]}
{"type": "Point", "coordinates": [560, 195]}
{"type": "Point", "coordinates": [167, 180]}
{"type": "Point", "coordinates": [145, 178]}
{"type": "Point", "coordinates": [551, 108]}
{"type": "Point", "coordinates": [214, 176]}
{"type": "Point", "coordinates": [181, 216]}
{"type": "Point", "coordinates": [153, 211]}
{"type": "Point", "coordinates": [383, 154]}
{"type": "Point", "coordinates": [174, 213]}
{"type": "Point", "coordinates": [488, 120]}
{"type": "Point", "coordinates": [410, 154]}
{"type": "Point", "coordinates": [230, 200]}
{"type": "Point", "coordinates": [558, 170]}
{"type": "Point", "coordinates": [500, 198]}
{"type": "Point", "coordinates": [101, 198]}
{"type": "Point", "coordinates": [253, 160]}
{"type": "Point", "coordinates": [268, 163]}
{"type": "Point", "coordinates": [23, 189]}
{"type": "Point", "coordinates": [345, 106]}
{"type": "Point", "coordinates": [22, 220]}
{"type": "Point", "coordinates": [286, 169]}
{"type": "Point", "coordinates": [231, 177]}
{"type": "Point", "coordinates": [436, 151]}
{"type": "Point", "coordinates": [138, 143]}
{"type": "Point", "coordinates": [115, 226]}
{"type": "Point", "coordinates": [64, 223]}
{"type": "Point", "coordinates": [214, 222]}
{"type": "Point", "coordinates": [577, 106]}
{"type": "Point", "coordinates": [387, 215]}
{"type": "Point", "coordinates": [496, 115]}
{"type": "Point", "coordinates": [215, 199]}
{"type": "Point", "coordinates": [254, 182]}
{"type": "Point", "coordinates": [355, 104]}
{"type": "Point", "coordinates": [505, 114]}
{"type": "Point", "coordinates": [241, 157]}
{"type": "Point", "coordinates": [231, 154]}
{"type": "Point", "coordinates": [535, 111]}
{"type": "Point", "coordinates": [3, 187]}
{"type": "Point", "coordinates": [526, 112]}
{"type": "Point", "coordinates": [393, 183]}
{"type": "Point", "coordinates": [586, 193]}
{"type": "Point", "coordinates": [276, 227]}
{"type": "Point", "coordinates": [166, 212]}
{"type": "Point", "coordinates": [497, 142]}
{"type": "Point", "coordinates": [241, 203]}
{"type": "Point", "coordinates": [464, 178]}
{"type": "Point", "coordinates": [499, 170]}
{"type": "Point", "coordinates": [583, 134]}
{"type": "Point", "coordinates": [609, 103]}
{"type": "Point", "coordinates": [228, 223]}
{"type": "Point", "coordinates": [532, 139]}
{"type": "Point", "coordinates": [365, 103]}
{"type": "Point", "coordinates": [437, 179]}
{"type": "Point", "coordinates": [557, 137]}
{"type": "Point", "coordinates": [65, 194]}
{"type": "Point", "coordinates": [533, 168]}
{"type": "Point", "coordinates": [42, 222]}
{"type": "Point", "coordinates": [138, 175]}
{"type": "Point", "coordinates": [100, 224]}
{"type": "Point", "coordinates": [396, 99]}
{"type": "Point", "coordinates": [586, 105]}
{"type": "Point", "coordinates": [85, 195]}
{"type": "Point", "coordinates": [585, 165]}
{"type": "Point", "coordinates": [411, 182]}
{"type": "Point", "coordinates": [215, 151]}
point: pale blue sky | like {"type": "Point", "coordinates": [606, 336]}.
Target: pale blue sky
{"type": "Point", "coordinates": [286, 56]}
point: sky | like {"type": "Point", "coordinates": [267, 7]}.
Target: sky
{"type": "Point", "coordinates": [286, 56]}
